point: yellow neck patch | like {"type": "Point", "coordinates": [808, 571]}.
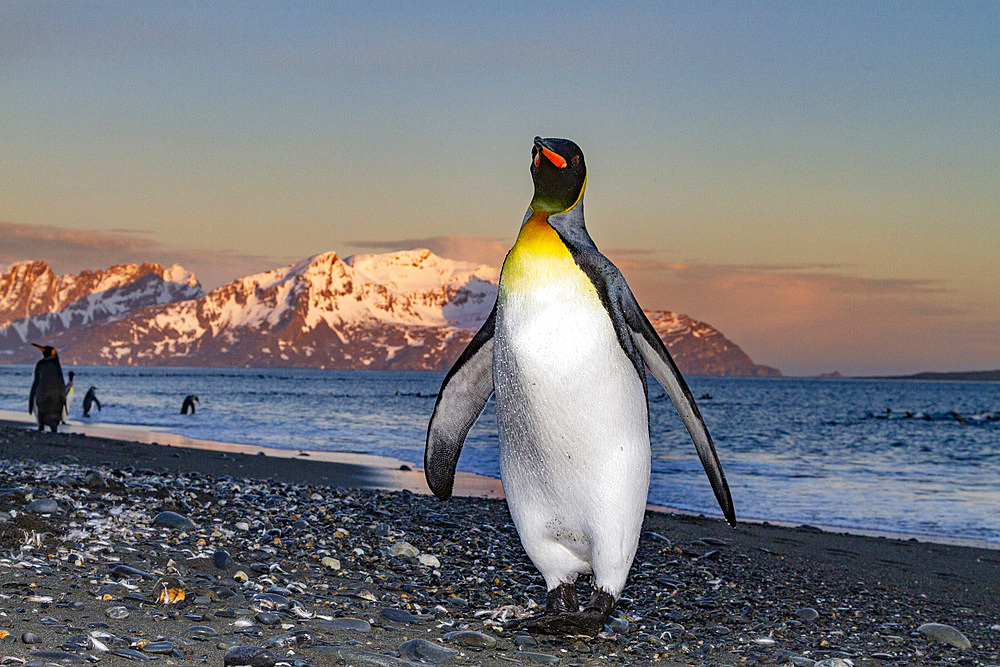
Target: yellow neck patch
{"type": "Point", "coordinates": [538, 257]}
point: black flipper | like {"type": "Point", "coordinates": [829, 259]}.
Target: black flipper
{"type": "Point", "coordinates": [462, 398]}
{"type": "Point", "coordinates": [34, 391]}
{"type": "Point", "coordinates": [637, 334]}
{"type": "Point", "coordinates": [663, 368]}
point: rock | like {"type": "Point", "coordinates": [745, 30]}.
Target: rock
{"type": "Point", "coordinates": [42, 506]}
{"type": "Point", "coordinates": [806, 614]}
{"type": "Point", "coordinates": [471, 639]}
{"type": "Point", "coordinates": [349, 624]}
{"type": "Point", "coordinates": [525, 641]}
{"type": "Point", "coordinates": [833, 662]}
{"type": "Point", "coordinates": [221, 559]}
{"type": "Point", "coordinates": [617, 625]}
{"type": "Point", "coordinates": [352, 655]}
{"type": "Point", "coordinates": [421, 650]}
{"type": "Point", "coordinates": [251, 656]}
{"type": "Point", "coordinates": [173, 520]}
{"type": "Point", "coordinates": [30, 638]}
{"type": "Point", "coordinates": [116, 612]}
{"type": "Point", "coordinates": [125, 571]}
{"type": "Point", "coordinates": [58, 657]}
{"type": "Point", "coordinates": [403, 549]}
{"type": "Point", "coordinates": [268, 618]}
{"type": "Point", "coordinates": [331, 563]}
{"type": "Point", "coordinates": [429, 561]}
{"type": "Point", "coordinates": [295, 638]}
{"type": "Point", "coordinates": [158, 647]}
{"type": "Point", "coordinates": [397, 615]}
{"type": "Point", "coordinates": [945, 634]}
{"type": "Point", "coordinates": [540, 658]}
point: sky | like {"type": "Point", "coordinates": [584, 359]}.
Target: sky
{"type": "Point", "coordinates": [819, 181]}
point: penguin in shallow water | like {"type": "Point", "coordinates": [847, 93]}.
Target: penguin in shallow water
{"type": "Point", "coordinates": [47, 399]}
{"type": "Point", "coordinates": [188, 405]}
{"type": "Point", "coordinates": [90, 400]}
{"type": "Point", "coordinates": [565, 350]}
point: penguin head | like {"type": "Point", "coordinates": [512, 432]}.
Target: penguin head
{"type": "Point", "coordinates": [47, 350]}
{"type": "Point", "coordinates": [559, 174]}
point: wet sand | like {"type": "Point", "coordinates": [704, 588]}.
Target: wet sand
{"type": "Point", "coordinates": [411, 568]}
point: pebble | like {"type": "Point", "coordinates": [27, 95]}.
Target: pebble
{"type": "Point", "coordinates": [295, 638]}
{"type": "Point", "coordinates": [42, 506]}
{"type": "Point", "coordinates": [353, 655]}
{"type": "Point", "coordinates": [429, 560]}
{"type": "Point", "coordinates": [403, 549]}
{"type": "Point", "coordinates": [319, 586]}
{"type": "Point", "coordinates": [267, 618]}
{"type": "Point", "coordinates": [250, 656]}
{"type": "Point", "coordinates": [350, 625]}
{"type": "Point", "coordinates": [158, 647]}
{"type": "Point", "coordinates": [116, 612]}
{"type": "Point", "coordinates": [421, 650]}
{"type": "Point", "coordinates": [471, 639]}
{"type": "Point", "coordinates": [397, 615]}
{"type": "Point", "coordinates": [173, 520]}
{"type": "Point", "coordinates": [806, 614]}
{"type": "Point", "coordinates": [945, 634]}
{"type": "Point", "coordinates": [221, 559]}
{"type": "Point", "coordinates": [58, 657]}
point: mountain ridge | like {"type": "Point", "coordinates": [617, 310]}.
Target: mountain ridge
{"type": "Point", "coordinates": [408, 310]}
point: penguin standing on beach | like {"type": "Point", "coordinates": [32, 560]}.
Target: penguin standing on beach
{"type": "Point", "coordinates": [90, 400]}
{"type": "Point", "coordinates": [188, 405]}
{"type": "Point", "coordinates": [565, 350]}
{"type": "Point", "coordinates": [47, 399]}
{"type": "Point", "coordinates": [69, 395]}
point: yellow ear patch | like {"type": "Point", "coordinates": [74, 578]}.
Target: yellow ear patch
{"type": "Point", "coordinates": [538, 257]}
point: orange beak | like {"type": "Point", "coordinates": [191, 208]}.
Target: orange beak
{"type": "Point", "coordinates": [553, 157]}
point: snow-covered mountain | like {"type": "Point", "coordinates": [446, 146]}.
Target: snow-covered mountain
{"type": "Point", "coordinates": [404, 310]}
{"type": "Point", "coordinates": [37, 304]}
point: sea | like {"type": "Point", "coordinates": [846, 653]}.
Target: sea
{"type": "Point", "coordinates": [918, 458]}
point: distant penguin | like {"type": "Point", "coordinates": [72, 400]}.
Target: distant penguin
{"type": "Point", "coordinates": [90, 400]}
{"type": "Point", "coordinates": [565, 350]}
{"type": "Point", "coordinates": [47, 399]}
{"type": "Point", "coordinates": [189, 402]}
{"type": "Point", "coordinates": [69, 395]}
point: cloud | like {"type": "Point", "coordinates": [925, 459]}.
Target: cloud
{"type": "Point", "coordinates": [810, 318]}
{"type": "Point", "coordinates": [74, 250]}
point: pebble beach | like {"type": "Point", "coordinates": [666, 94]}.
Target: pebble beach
{"type": "Point", "coordinates": [114, 552]}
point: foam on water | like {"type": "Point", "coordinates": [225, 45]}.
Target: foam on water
{"type": "Point", "coordinates": [798, 450]}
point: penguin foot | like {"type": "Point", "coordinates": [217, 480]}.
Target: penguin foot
{"type": "Point", "coordinates": [560, 619]}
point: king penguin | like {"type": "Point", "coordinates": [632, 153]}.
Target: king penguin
{"type": "Point", "coordinates": [47, 399]}
{"type": "Point", "coordinates": [565, 349]}
{"type": "Point", "coordinates": [188, 404]}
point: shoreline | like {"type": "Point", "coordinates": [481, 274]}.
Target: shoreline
{"type": "Point", "coordinates": [391, 474]}
{"type": "Point", "coordinates": [372, 571]}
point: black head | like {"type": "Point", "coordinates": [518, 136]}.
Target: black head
{"type": "Point", "coordinates": [47, 350]}
{"type": "Point", "coordinates": [559, 174]}
{"type": "Point", "coordinates": [71, 374]}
